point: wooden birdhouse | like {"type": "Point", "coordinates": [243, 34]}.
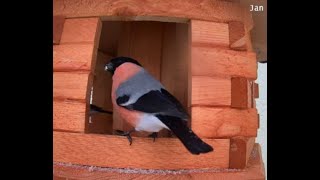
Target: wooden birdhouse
{"type": "Point", "coordinates": [201, 52]}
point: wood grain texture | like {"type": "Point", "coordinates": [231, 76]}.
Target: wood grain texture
{"type": "Point", "coordinates": [102, 83]}
{"type": "Point", "coordinates": [211, 34]}
{"type": "Point", "coordinates": [67, 85]}
{"type": "Point", "coordinates": [142, 41]}
{"type": "Point", "coordinates": [72, 57]}
{"type": "Point", "coordinates": [258, 120]}
{"type": "Point", "coordinates": [174, 63]}
{"type": "Point", "coordinates": [69, 116]}
{"type": "Point", "coordinates": [115, 151]}
{"type": "Point", "coordinates": [249, 43]}
{"type": "Point", "coordinates": [58, 22]}
{"type": "Point", "coordinates": [255, 90]}
{"type": "Point", "coordinates": [255, 164]}
{"type": "Point", "coordinates": [221, 62]}
{"type": "Point", "coordinates": [240, 151]}
{"type": "Point", "coordinates": [211, 91]}
{"type": "Point", "coordinates": [213, 122]}
{"type": "Point", "coordinates": [80, 30]}
{"type": "Point", "coordinates": [241, 93]}
{"type": "Point", "coordinates": [253, 171]}
{"type": "Point", "coordinates": [238, 36]}
{"type": "Point", "coordinates": [210, 10]}
{"type": "Point", "coordinates": [100, 123]}
{"type": "Point", "coordinates": [101, 97]}
{"type": "Point", "coordinates": [110, 36]}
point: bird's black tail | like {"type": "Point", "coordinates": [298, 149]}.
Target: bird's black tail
{"type": "Point", "coordinates": [189, 139]}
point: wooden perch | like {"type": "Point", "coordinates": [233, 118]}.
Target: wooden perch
{"type": "Point", "coordinates": [253, 171]}
{"type": "Point", "coordinates": [212, 122]}
{"type": "Point", "coordinates": [115, 151]}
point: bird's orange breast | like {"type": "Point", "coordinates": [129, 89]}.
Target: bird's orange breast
{"type": "Point", "coordinates": [123, 73]}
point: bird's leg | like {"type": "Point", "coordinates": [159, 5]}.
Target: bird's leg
{"type": "Point", "coordinates": [153, 135]}
{"type": "Point", "coordinates": [128, 134]}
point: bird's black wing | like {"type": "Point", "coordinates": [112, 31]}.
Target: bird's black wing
{"type": "Point", "coordinates": [156, 101]}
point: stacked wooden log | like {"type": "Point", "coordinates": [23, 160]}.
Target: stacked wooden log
{"type": "Point", "coordinates": [207, 62]}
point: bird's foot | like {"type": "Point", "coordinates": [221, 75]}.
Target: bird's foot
{"type": "Point", "coordinates": [128, 134]}
{"type": "Point", "coordinates": [153, 135]}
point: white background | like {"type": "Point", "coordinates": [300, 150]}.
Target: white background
{"type": "Point", "coordinates": [261, 104]}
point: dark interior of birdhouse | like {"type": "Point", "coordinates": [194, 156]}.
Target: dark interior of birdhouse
{"type": "Point", "coordinates": [163, 50]}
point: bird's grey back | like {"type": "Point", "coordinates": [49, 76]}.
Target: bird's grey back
{"type": "Point", "coordinates": [138, 85]}
{"type": "Point", "coordinates": [141, 84]}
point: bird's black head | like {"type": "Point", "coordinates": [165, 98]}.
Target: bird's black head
{"type": "Point", "coordinates": [117, 61]}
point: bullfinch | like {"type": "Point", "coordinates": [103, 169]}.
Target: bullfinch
{"type": "Point", "coordinates": [143, 102]}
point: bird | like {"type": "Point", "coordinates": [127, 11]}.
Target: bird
{"type": "Point", "coordinates": [143, 102]}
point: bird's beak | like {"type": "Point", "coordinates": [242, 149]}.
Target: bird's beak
{"type": "Point", "coordinates": [108, 67]}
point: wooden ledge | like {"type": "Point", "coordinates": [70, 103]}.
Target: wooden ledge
{"type": "Point", "coordinates": [254, 170]}
{"type": "Point", "coordinates": [115, 151]}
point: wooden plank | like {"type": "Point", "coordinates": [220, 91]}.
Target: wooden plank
{"type": "Point", "coordinates": [115, 151]}
{"type": "Point", "coordinates": [240, 150]}
{"type": "Point", "coordinates": [249, 43]}
{"type": "Point", "coordinates": [255, 164]}
{"type": "Point", "coordinates": [213, 10]}
{"type": "Point", "coordinates": [253, 171]}
{"type": "Point", "coordinates": [213, 122]}
{"type": "Point", "coordinates": [72, 57]}
{"type": "Point", "coordinates": [237, 34]}
{"type": "Point", "coordinates": [174, 63]}
{"type": "Point", "coordinates": [241, 93]}
{"type": "Point", "coordinates": [69, 116]}
{"type": "Point", "coordinates": [80, 30]}
{"type": "Point", "coordinates": [70, 85]}
{"type": "Point", "coordinates": [255, 90]}
{"type": "Point", "coordinates": [250, 145]}
{"type": "Point", "coordinates": [102, 83]}
{"type": "Point", "coordinates": [258, 120]}
{"type": "Point", "coordinates": [58, 22]}
{"type": "Point", "coordinates": [211, 34]}
{"type": "Point", "coordinates": [221, 62]}
{"type": "Point", "coordinates": [211, 91]}
{"type": "Point", "coordinates": [110, 37]}
{"type": "Point", "coordinates": [143, 42]}
{"type": "Point", "coordinates": [100, 123]}
{"type": "Point", "coordinates": [60, 178]}
{"type": "Point", "coordinates": [101, 97]}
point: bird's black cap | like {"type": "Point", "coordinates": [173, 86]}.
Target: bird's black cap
{"type": "Point", "coordinates": [117, 61]}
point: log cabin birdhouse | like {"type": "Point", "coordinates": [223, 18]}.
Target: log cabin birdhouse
{"type": "Point", "coordinates": [201, 52]}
